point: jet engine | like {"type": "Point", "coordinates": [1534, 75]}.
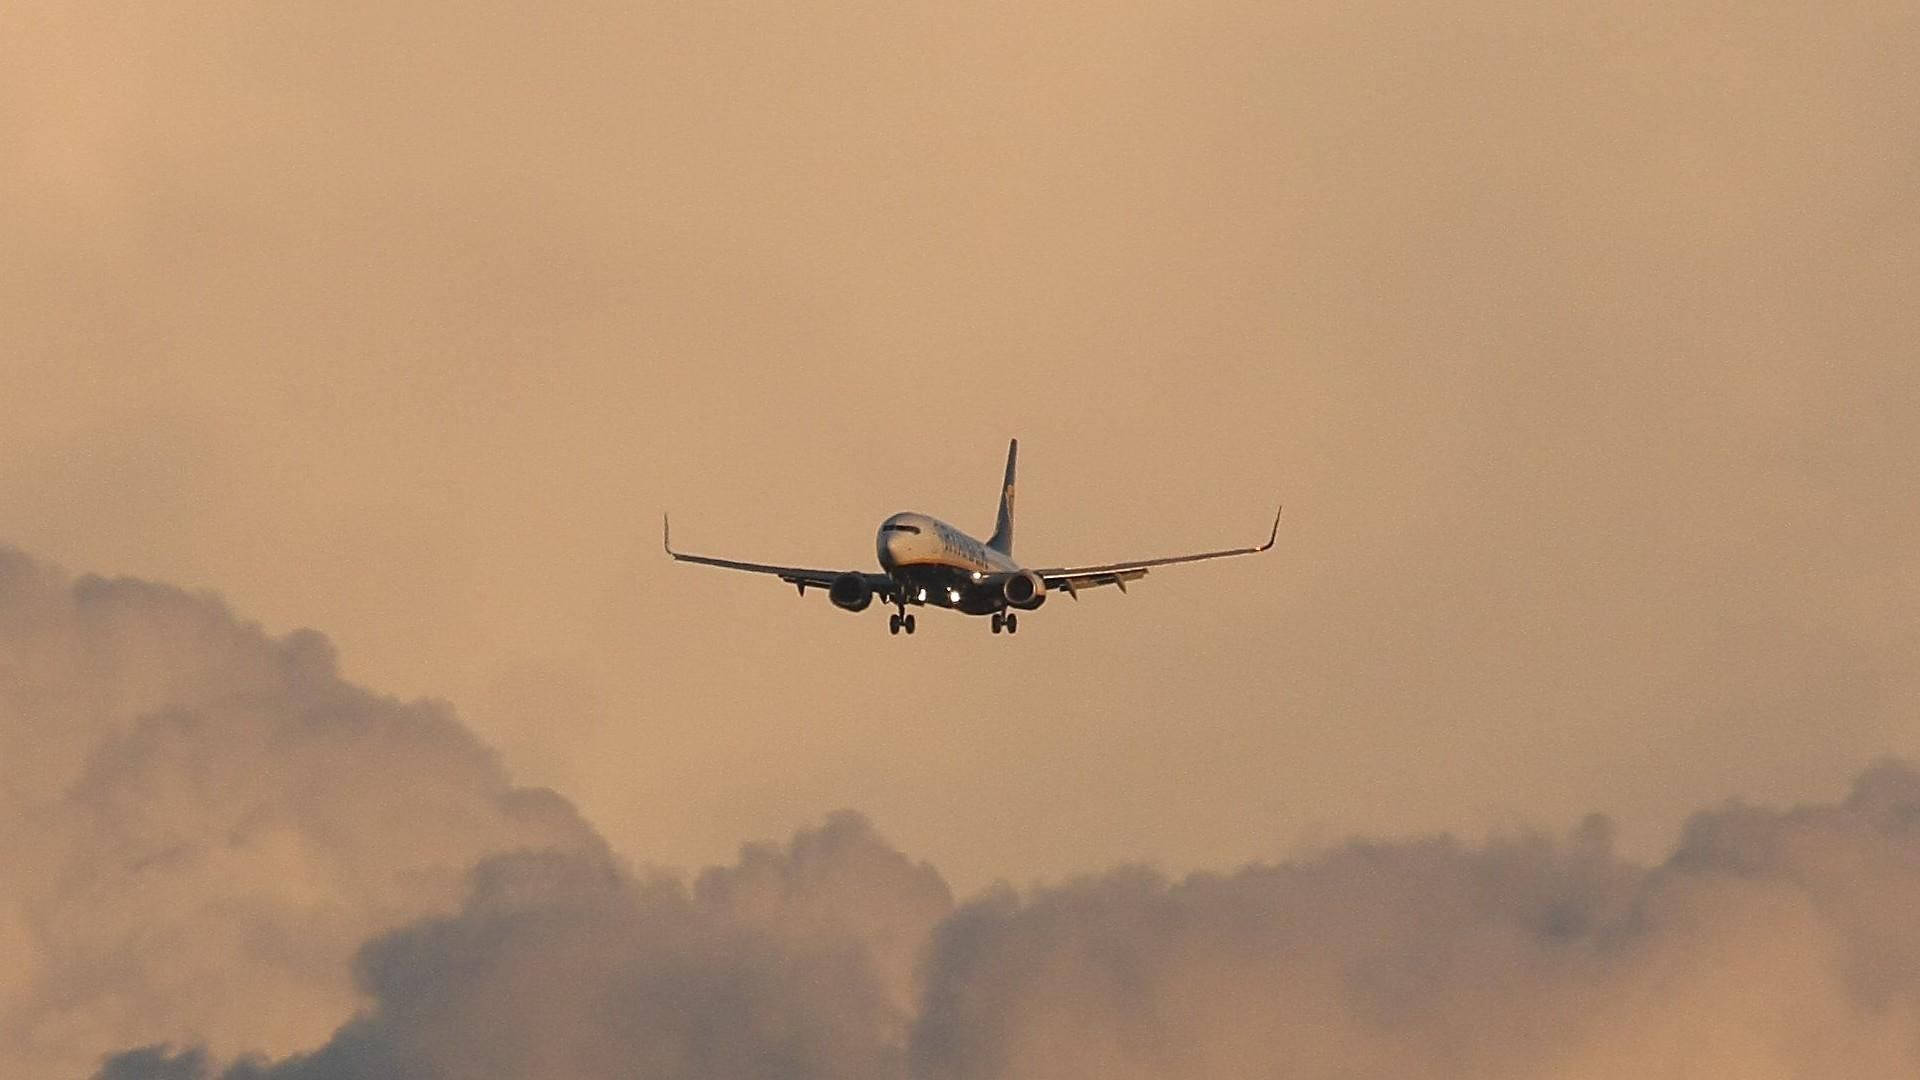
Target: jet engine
{"type": "Point", "coordinates": [850, 592]}
{"type": "Point", "coordinates": [1025, 590]}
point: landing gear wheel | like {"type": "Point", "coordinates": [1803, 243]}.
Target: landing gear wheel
{"type": "Point", "coordinates": [893, 624]}
{"type": "Point", "coordinates": [907, 624]}
{"type": "Point", "coordinates": [1013, 624]}
{"type": "Point", "coordinates": [999, 622]}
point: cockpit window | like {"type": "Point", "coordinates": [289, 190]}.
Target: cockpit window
{"type": "Point", "coordinates": [898, 527]}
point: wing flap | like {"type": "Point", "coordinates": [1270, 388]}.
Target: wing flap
{"type": "Point", "coordinates": [1074, 582]}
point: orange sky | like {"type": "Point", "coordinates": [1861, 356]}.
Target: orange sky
{"type": "Point", "coordinates": [1579, 345]}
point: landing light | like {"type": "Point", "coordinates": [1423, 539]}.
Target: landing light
{"type": "Point", "coordinates": [977, 575]}
{"type": "Point", "coordinates": [923, 596]}
{"type": "Point", "coordinates": [953, 595]}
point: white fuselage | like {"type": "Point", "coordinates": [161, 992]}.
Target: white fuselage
{"type": "Point", "coordinates": [950, 567]}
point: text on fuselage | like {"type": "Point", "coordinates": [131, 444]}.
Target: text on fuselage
{"type": "Point", "coordinates": [958, 546]}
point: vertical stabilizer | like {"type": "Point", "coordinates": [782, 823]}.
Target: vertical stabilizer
{"type": "Point", "coordinates": [1002, 540]}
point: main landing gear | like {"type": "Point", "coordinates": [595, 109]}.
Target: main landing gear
{"type": "Point", "coordinates": [897, 622]}
{"type": "Point", "coordinates": [1005, 619]}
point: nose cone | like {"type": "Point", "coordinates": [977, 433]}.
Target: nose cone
{"type": "Point", "coordinates": [897, 534]}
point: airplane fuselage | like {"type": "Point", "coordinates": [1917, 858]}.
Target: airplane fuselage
{"type": "Point", "coordinates": [940, 565]}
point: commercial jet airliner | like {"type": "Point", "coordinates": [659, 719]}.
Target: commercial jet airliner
{"type": "Point", "coordinates": [926, 561]}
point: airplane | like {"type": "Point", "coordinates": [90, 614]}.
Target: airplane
{"type": "Point", "coordinates": [925, 561]}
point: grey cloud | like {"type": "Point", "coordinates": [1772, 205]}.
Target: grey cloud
{"type": "Point", "coordinates": [223, 855]}
{"type": "Point", "coordinates": [200, 823]}
{"type": "Point", "coordinates": [836, 881]}
{"type": "Point", "coordinates": [1770, 943]}
{"type": "Point", "coordinates": [155, 1063]}
{"type": "Point", "coordinates": [559, 965]}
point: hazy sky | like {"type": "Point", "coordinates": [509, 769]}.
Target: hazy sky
{"type": "Point", "coordinates": [1579, 344]}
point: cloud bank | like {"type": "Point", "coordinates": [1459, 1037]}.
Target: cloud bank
{"type": "Point", "coordinates": [224, 861]}
{"type": "Point", "coordinates": [1770, 943]}
{"type": "Point", "coordinates": [200, 823]}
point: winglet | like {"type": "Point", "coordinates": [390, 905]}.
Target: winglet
{"type": "Point", "coordinates": [666, 533]}
{"type": "Point", "coordinates": [1275, 534]}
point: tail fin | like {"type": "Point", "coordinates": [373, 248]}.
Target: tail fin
{"type": "Point", "coordinates": [1002, 539]}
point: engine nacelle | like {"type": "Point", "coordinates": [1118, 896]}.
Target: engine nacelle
{"type": "Point", "coordinates": [1025, 590]}
{"type": "Point", "coordinates": [850, 592]}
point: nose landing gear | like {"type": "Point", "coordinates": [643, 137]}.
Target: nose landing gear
{"type": "Point", "coordinates": [899, 620]}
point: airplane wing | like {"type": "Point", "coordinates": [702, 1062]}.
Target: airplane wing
{"type": "Point", "coordinates": [800, 577]}
{"type": "Point", "coordinates": [1074, 578]}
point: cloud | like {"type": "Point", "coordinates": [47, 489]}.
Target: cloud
{"type": "Point", "coordinates": [784, 965]}
{"type": "Point", "coordinates": [226, 861]}
{"type": "Point", "coordinates": [200, 823]}
{"type": "Point", "coordinates": [1770, 943]}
